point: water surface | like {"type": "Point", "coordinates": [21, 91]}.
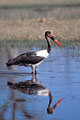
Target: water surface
{"type": "Point", "coordinates": [59, 75]}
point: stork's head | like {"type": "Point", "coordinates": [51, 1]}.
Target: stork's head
{"type": "Point", "coordinates": [50, 35]}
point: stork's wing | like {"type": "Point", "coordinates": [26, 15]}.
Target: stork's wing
{"type": "Point", "coordinates": [26, 58]}
{"type": "Point", "coordinates": [29, 58]}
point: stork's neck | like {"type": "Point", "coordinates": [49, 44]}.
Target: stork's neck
{"type": "Point", "coordinates": [49, 109]}
{"type": "Point", "coordinates": [49, 45]}
{"type": "Point", "coordinates": [50, 101]}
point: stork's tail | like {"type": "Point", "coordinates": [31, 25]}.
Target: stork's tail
{"type": "Point", "coordinates": [10, 62]}
{"type": "Point", "coordinates": [12, 85]}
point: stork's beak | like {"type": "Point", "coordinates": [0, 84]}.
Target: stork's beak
{"type": "Point", "coordinates": [53, 38]}
{"type": "Point", "coordinates": [57, 104]}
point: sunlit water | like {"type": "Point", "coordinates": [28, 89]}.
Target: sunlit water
{"type": "Point", "coordinates": [60, 74]}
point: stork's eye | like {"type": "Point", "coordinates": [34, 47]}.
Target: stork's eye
{"type": "Point", "coordinates": [48, 34]}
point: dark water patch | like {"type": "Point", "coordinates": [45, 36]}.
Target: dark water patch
{"type": "Point", "coordinates": [20, 100]}
{"type": "Point", "coordinates": [13, 73]}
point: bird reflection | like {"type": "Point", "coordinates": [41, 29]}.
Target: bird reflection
{"type": "Point", "coordinates": [50, 109]}
{"type": "Point", "coordinates": [34, 87]}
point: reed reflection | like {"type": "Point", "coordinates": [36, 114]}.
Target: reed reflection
{"type": "Point", "coordinates": [3, 110]}
{"type": "Point", "coordinates": [14, 106]}
{"type": "Point", "coordinates": [35, 87]}
{"type": "Point", "coordinates": [11, 53]}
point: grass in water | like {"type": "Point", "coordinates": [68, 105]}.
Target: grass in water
{"type": "Point", "coordinates": [37, 43]}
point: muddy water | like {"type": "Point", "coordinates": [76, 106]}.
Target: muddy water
{"type": "Point", "coordinates": [58, 76]}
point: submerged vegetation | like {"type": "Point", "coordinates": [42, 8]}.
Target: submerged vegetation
{"type": "Point", "coordinates": [38, 43]}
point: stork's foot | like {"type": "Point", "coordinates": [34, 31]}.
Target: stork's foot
{"type": "Point", "coordinates": [35, 71]}
{"type": "Point", "coordinates": [32, 72]}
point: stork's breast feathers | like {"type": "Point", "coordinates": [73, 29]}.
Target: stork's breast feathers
{"type": "Point", "coordinates": [42, 53]}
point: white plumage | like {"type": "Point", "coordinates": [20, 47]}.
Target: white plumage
{"type": "Point", "coordinates": [42, 53]}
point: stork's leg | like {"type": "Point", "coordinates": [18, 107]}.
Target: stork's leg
{"type": "Point", "coordinates": [34, 69]}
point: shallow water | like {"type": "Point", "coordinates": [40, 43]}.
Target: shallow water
{"type": "Point", "coordinates": [58, 75]}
